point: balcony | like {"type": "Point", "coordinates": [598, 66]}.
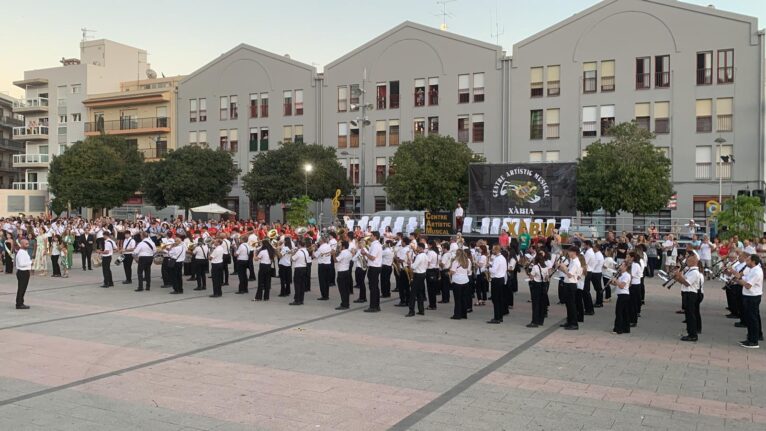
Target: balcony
{"type": "Point", "coordinates": [9, 145]}
{"type": "Point", "coordinates": [30, 186]}
{"type": "Point", "coordinates": [725, 75]}
{"type": "Point", "coordinates": [662, 79]}
{"type": "Point", "coordinates": [394, 102]}
{"type": "Point", "coordinates": [30, 133]}
{"type": "Point", "coordinates": [31, 82]}
{"type": "Point", "coordinates": [643, 81]}
{"type": "Point", "coordinates": [31, 160]}
{"type": "Point", "coordinates": [7, 121]}
{"type": "Point", "coordinates": [702, 171]}
{"type": "Point", "coordinates": [589, 129]}
{"type": "Point", "coordinates": [554, 88]}
{"type": "Point", "coordinates": [36, 104]}
{"type": "Point", "coordinates": [705, 76]}
{"type": "Point", "coordinates": [129, 126]}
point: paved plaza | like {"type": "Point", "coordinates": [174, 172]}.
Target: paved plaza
{"type": "Point", "coordinates": [86, 358]}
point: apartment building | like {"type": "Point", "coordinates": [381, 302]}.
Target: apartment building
{"type": "Point", "coordinates": [143, 112]}
{"type": "Point", "coordinates": [692, 75]}
{"type": "Point", "coordinates": [279, 101]}
{"type": "Point", "coordinates": [9, 147]}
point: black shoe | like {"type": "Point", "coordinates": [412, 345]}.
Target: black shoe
{"type": "Point", "coordinates": [175, 292]}
{"type": "Point", "coordinates": [147, 288]}
{"type": "Point", "coordinates": [323, 299]}
{"type": "Point", "coordinates": [371, 310]}
{"type": "Point", "coordinates": [296, 303]}
{"type": "Point", "coordinates": [22, 307]}
{"type": "Point", "coordinates": [633, 325]}
{"type": "Point", "coordinates": [139, 290]}
{"type": "Point", "coordinates": [443, 302]}
{"type": "Point", "coordinates": [494, 321]}
{"type": "Point", "coordinates": [214, 296]}
{"type": "Point", "coordinates": [127, 282]}
{"type": "Point", "coordinates": [360, 301]}
{"type": "Point", "coordinates": [749, 345]}
{"type": "Point", "coordinates": [431, 308]}
{"type": "Point", "coordinates": [401, 304]}
{"type": "Point", "coordinates": [740, 325]}
{"type": "Point", "coordinates": [598, 305]}
{"type": "Point", "coordinates": [688, 338]}
{"type": "Point", "coordinates": [251, 279]}
{"type": "Point", "coordinates": [104, 286]}
{"type": "Point", "coordinates": [455, 318]}
{"type": "Point", "coordinates": [341, 308]}
{"type": "Point", "coordinates": [533, 325]}
{"type": "Point", "coordinates": [572, 328]}
{"type": "Point", "coordinates": [281, 296]}
{"type": "Point", "coordinates": [385, 296]}
{"type": "Point", "coordinates": [395, 290]}
{"type": "Point", "coordinates": [421, 313]}
{"type": "Point", "coordinates": [410, 314]}
{"type": "Point", "coordinates": [225, 284]}
{"type": "Point", "coordinates": [199, 288]}
{"type": "Point", "coordinates": [590, 313]}
{"type": "Point", "coordinates": [732, 316]}
{"type": "Point", "coordinates": [240, 292]}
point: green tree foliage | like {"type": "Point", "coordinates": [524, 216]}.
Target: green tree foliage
{"type": "Point", "coordinates": [188, 177]}
{"type": "Point", "coordinates": [627, 173]}
{"type": "Point", "coordinates": [298, 214]}
{"type": "Point", "coordinates": [741, 216]}
{"type": "Point", "coordinates": [278, 175]}
{"type": "Point", "coordinates": [100, 172]}
{"type": "Point", "coordinates": [431, 173]}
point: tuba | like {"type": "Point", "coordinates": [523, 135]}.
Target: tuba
{"type": "Point", "coordinates": [273, 236]}
{"type": "Point", "coordinates": [301, 231]}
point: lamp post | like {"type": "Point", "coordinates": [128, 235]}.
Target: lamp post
{"type": "Point", "coordinates": [307, 168]}
{"type": "Point", "coordinates": [353, 195]}
{"type": "Point", "coordinates": [720, 141]}
{"type": "Point", "coordinates": [362, 122]}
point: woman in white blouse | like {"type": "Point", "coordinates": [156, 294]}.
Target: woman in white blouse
{"type": "Point", "coordinates": [265, 256]}
{"type": "Point", "coordinates": [459, 271]}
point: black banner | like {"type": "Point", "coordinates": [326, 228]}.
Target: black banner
{"type": "Point", "coordinates": [439, 223]}
{"type": "Point", "coordinates": [523, 189]}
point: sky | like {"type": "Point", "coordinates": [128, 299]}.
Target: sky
{"type": "Point", "coordinates": [182, 36]}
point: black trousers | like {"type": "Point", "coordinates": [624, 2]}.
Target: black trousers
{"type": "Point", "coordinates": [106, 270]}
{"type": "Point", "coordinates": [307, 283]}
{"type": "Point", "coordinates": [167, 270]}
{"type": "Point", "coordinates": [373, 277]}
{"type": "Point", "coordinates": [359, 273]}
{"type": "Point", "coordinates": [461, 307]}
{"type": "Point", "coordinates": [178, 277]}
{"type": "Point", "coordinates": [750, 306]}
{"type": "Point", "coordinates": [481, 287]}
{"type": "Point", "coordinates": [731, 299]}
{"type": "Point", "coordinates": [285, 279]}
{"type": "Point", "coordinates": [344, 286]}
{"type": "Point", "coordinates": [23, 281]}
{"type": "Point", "coordinates": [300, 276]}
{"type": "Point", "coordinates": [579, 305]}
{"type": "Point", "coordinates": [635, 302]}
{"type": "Point", "coordinates": [385, 281]}
{"type": "Point", "coordinates": [55, 264]}
{"type": "Point", "coordinates": [596, 279]}
{"type": "Point", "coordinates": [264, 281]}
{"type": "Point", "coordinates": [144, 271]}
{"type": "Point", "coordinates": [511, 287]}
{"type": "Point", "coordinates": [8, 263]}
{"type": "Point", "coordinates": [432, 286]}
{"type": "Point", "coordinates": [216, 271]}
{"type": "Point", "coordinates": [607, 289]}
{"type": "Point", "coordinates": [622, 314]}
{"type": "Point", "coordinates": [241, 267]}
{"type": "Point", "coordinates": [498, 286]}
{"type": "Point", "coordinates": [562, 292]}
{"type": "Point", "coordinates": [654, 262]}
{"type": "Point", "coordinates": [251, 265]}
{"type": "Point", "coordinates": [86, 252]}
{"type": "Point", "coordinates": [127, 265]}
{"type": "Point", "coordinates": [691, 310]}
{"type": "Point", "coordinates": [324, 274]}
{"type": "Point", "coordinates": [226, 260]}
{"type": "Point", "coordinates": [445, 285]}
{"type": "Point", "coordinates": [536, 292]}
{"type": "Point", "coordinates": [403, 284]}
{"type": "Point", "coordinates": [418, 293]}
{"type": "Point", "coordinates": [587, 298]}
{"type": "Point", "coordinates": [700, 297]}
{"type": "Point", "coordinates": [200, 267]}
{"type": "Point", "coordinates": [570, 296]}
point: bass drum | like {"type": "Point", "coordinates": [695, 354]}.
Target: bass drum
{"type": "Point", "coordinates": [158, 258]}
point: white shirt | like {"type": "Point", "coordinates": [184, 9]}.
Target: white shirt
{"type": "Point", "coordinates": [433, 259]}
{"type": "Point", "coordinates": [388, 256]}
{"type": "Point", "coordinates": [127, 244]}
{"type": "Point", "coordinates": [625, 279]}
{"type": "Point", "coordinates": [499, 267]}
{"type": "Point", "coordinates": [376, 250]}
{"type": "Point", "coordinates": [574, 270]}
{"type": "Point", "coordinates": [446, 260]}
{"type": "Point", "coordinates": [322, 254]}
{"type": "Point", "coordinates": [705, 251]}
{"type": "Point", "coordinates": [285, 259]}
{"type": "Point", "coordinates": [178, 253]}
{"type": "Point", "coordinates": [144, 248]}
{"type": "Point", "coordinates": [460, 274]}
{"type": "Point", "coordinates": [421, 264]}
{"type": "Point", "coordinates": [217, 255]}
{"type": "Point", "coordinates": [598, 263]}
{"type": "Point", "coordinates": [226, 245]}
{"type": "Point", "coordinates": [109, 247]}
{"type": "Point", "coordinates": [299, 258]}
{"type": "Point", "coordinates": [243, 251]}
{"type": "Point", "coordinates": [590, 260]}
{"type": "Point", "coordinates": [749, 249]}
{"type": "Point", "coordinates": [263, 257]}
{"type": "Point", "coordinates": [695, 280]}
{"type": "Point", "coordinates": [23, 262]}
{"type": "Point", "coordinates": [459, 212]}
{"type": "Point", "coordinates": [481, 263]}
{"type": "Point", "coordinates": [538, 273]}
{"type": "Point", "coordinates": [635, 273]}
{"type": "Point", "coordinates": [200, 251]}
{"type": "Point", "coordinates": [343, 261]}
{"type": "Point", "coordinates": [754, 278]}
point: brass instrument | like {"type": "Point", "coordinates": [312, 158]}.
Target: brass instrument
{"type": "Point", "coordinates": [273, 236]}
{"type": "Point", "coordinates": [301, 231]}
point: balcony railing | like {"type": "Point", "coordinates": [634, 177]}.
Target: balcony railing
{"type": "Point", "coordinates": [589, 128]}
{"type": "Point", "coordinates": [30, 186]}
{"type": "Point", "coordinates": [30, 131]}
{"type": "Point", "coordinates": [726, 75]}
{"type": "Point", "coordinates": [537, 89]}
{"type": "Point", "coordinates": [643, 81]}
{"type": "Point", "coordinates": [288, 108]}
{"type": "Point", "coordinates": [128, 123]}
{"type": "Point", "coordinates": [607, 83]}
{"type": "Point", "coordinates": [381, 102]}
{"type": "Point", "coordinates": [662, 79]}
{"type": "Point", "coordinates": [554, 88]}
{"type": "Point", "coordinates": [7, 144]}
{"type": "Point", "coordinates": [552, 131]}
{"type": "Point", "coordinates": [589, 85]}
{"type": "Point", "coordinates": [35, 102]}
{"type": "Point", "coordinates": [462, 136]}
{"type": "Point", "coordinates": [253, 111]}
{"type": "Point", "coordinates": [9, 121]}
{"type": "Point", "coordinates": [536, 131]}
{"type": "Point", "coordinates": [705, 76]}
{"type": "Point", "coordinates": [704, 124]}
{"type": "Point", "coordinates": [394, 101]}
{"type": "Point", "coordinates": [725, 123]}
{"type": "Point", "coordinates": [702, 171]}
{"type": "Point", "coordinates": [661, 125]}
{"type": "Point", "coordinates": [30, 159]}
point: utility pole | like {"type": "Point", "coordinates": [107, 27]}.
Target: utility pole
{"type": "Point", "coordinates": [361, 123]}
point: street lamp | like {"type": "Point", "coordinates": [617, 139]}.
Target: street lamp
{"type": "Point", "coordinates": [307, 168]}
{"type": "Point", "coordinates": [362, 122]}
{"type": "Point", "coordinates": [720, 141]}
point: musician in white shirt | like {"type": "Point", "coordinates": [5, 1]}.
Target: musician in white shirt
{"type": "Point", "coordinates": [572, 270]}
{"type": "Point", "coordinates": [419, 268]}
{"type": "Point", "coordinates": [752, 290]}
{"type": "Point", "coordinates": [177, 257]}
{"type": "Point", "coordinates": [300, 270]}
{"type": "Point", "coordinates": [23, 270]}
{"type": "Point", "coordinates": [144, 252]}
{"type": "Point", "coordinates": [621, 283]}
{"type": "Point", "coordinates": [217, 267]}
{"type": "Point", "coordinates": [636, 272]}
{"type": "Point", "coordinates": [597, 277]}
{"type": "Point", "coordinates": [432, 274]}
{"type": "Point", "coordinates": [323, 255]}
{"type": "Point", "coordinates": [538, 276]}
{"type": "Point", "coordinates": [691, 286]}
{"type": "Point", "coordinates": [106, 258]}
{"type": "Point", "coordinates": [403, 261]}
{"type": "Point", "coordinates": [460, 269]}
{"type": "Point", "coordinates": [386, 269]}
{"type": "Point", "coordinates": [343, 269]}
{"type": "Point", "coordinates": [227, 252]}
{"type": "Point", "coordinates": [590, 265]}
{"type": "Point", "coordinates": [497, 272]}
{"type": "Point", "coordinates": [445, 262]}
{"type": "Point", "coordinates": [200, 254]}
{"type": "Point", "coordinates": [285, 267]}
{"type": "Point", "coordinates": [374, 262]}
{"type": "Point", "coordinates": [242, 257]}
{"type": "Point", "coordinates": [128, 245]}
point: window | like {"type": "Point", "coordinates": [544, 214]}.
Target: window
{"type": "Point", "coordinates": [463, 90]}
{"type": "Point", "coordinates": [391, 167]}
{"type": "Point", "coordinates": [224, 109]}
{"type": "Point", "coordinates": [193, 138]}
{"type": "Point", "coordinates": [202, 138]}
{"type": "Point", "coordinates": [643, 77]}
{"type": "Point", "coordinates": [725, 66]}
{"type": "Point", "coordinates": [192, 110]}
{"type": "Point", "coordinates": [380, 95]}
{"type": "Point", "coordinates": [661, 117]}
{"type": "Point", "coordinates": [699, 209]}
{"type": "Point", "coordinates": [380, 170]}
{"type": "Point", "coordinates": [723, 169]}
{"type": "Point", "coordinates": [61, 94]}
{"type": "Point", "coordinates": [433, 126]}
{"type": "Point", "coordinates": [478, 87]}
{"type": "Point", "coordinates": [354, 99]}
{"type": "Point", "coordinates": [223, 140]}
{"type": "Point", "coordinates": [234, 107]}
{"type": "Point", "coordinates": [298, 102]}
{"type": "Point", "coordinates": [536, 82]}
{"type": "Point", "coordinates": [703, 159]}
{"type": "Point", "coordinates": [643, 118]}
{"type": "Point", "coordinates": [393, 132]}
{"type": "Point", "coordinates": [287, 134]}
{"type": "Point", "coordinates": [607, 75]}
{"type": "Point", "coordinates": [380, 203]}
{"type": "Point", "coordinates": [462, 129]}
{"type": "Point", "coordinates": [342, 135]}
{"type": "Point", "coordinates": [589, 77]}
{"type": "Point", "coordinates": [535, 156]}
{"type": "Point", "coordinates": [554, 85]}
{"type": "Point", "coordinates": [552, 123]}
{"type": "Point", "coordinates": [478, 128]}
{"type": "Point", "coordinates": [536, 124]}
{"type": "Point", "coordinates": [419, 126]}
{"type": "Point", "coordinates": [233, 140]}
{"type": "Point", "coordinates": [607, 119]}
{"type": "Point", "coordinates": [420, 92]}
{"type": "Point", "coordinates": [353, 171]}
{"type": "Point", "coordinates": [162, 148]}
{"type": "Point", "coordinates": [288, 103]}
{"type": "Point", "coordinates": [202, 109]}
{"type": "Point", "coordinates": [394, 98]}
{"type": "Point", "coordinates": [264, 105]}
{"type": "Point", "coordinates": [551, 156]}
{"type": "Point", "coordinates": [354, 137]}
{"type": "Point", "coordinates": [589, 123]}
{"type": "Point", "coordinates": [342, 98]}
{"type": "Point", "coordinates": [264, 139]}
{"type": "Point", "coordinates": [298, 131]}
{"type": "Point", "coordinates": [704, 115]}
{"type": "Point", "coordinates": [380, 133]}
{"type": "Point", "coordinates": [253, 139]}
{"type": "Point", "coordinates": [76, 88]}
{"type": "Point", "coordinates": [62, 119]}
{"type": "Point", "coordinates": [705, 68]}
{"type": "Point", "coordinates": [253, 105]}
{"type": "Point", "coordinates": [723, 111]}
{"type": "Point", "coordinates": [662, 71]}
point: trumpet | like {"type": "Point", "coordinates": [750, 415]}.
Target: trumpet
{"type": "Point", "coordinates": [669, 278]}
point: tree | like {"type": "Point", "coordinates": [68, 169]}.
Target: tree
{"type": "Point", "coordinates": [278, 175]}
{"type": "Point", "coordinates": [99, 172]}
{"type": "Point", "coordinates": [298, 214]}
{"type": "Point", "coordinates": [431, 173]}
{"type": "Point", "coordinates": [188, 177]}
{"type": "Point", "coordinates": [627, 173]}
{"type": "Point", "coordinates": [741, 216]}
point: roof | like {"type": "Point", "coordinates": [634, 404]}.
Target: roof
{"type": "Point", "coordinates": [707, 10]}
{"type": "Point", "coordinates": [418, 27]}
